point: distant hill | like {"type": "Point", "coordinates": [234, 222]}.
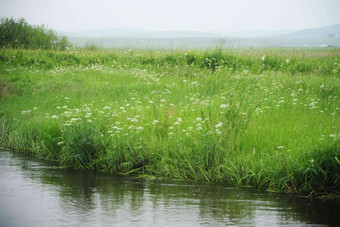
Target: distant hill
{"type": "Point", "coordinates": [134, 33]}
{"type": "Point", "coordinates": [322, 32]}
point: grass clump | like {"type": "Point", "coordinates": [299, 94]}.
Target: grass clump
{"type": "Point", "coordinates": [262, 118]}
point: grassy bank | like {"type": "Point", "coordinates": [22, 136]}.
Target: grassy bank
{"type": "Point", "coordinates": [267, 118]}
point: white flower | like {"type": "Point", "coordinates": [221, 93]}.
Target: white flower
{"type": "Point", "coordinates": [150, 101]}
{"type": "Point", "coordinates": [198, 119]}
{"type": "Point", "coordinates": [139, 128]}
{"type": "Point", "coordinates": [155, 122]}
{"type": "Point", "coordinates": [106, 108]}
{"type": "Point", "coordinates": [263, 58]}
{"type": "Point", "coordinates": [280, 147]}
{"type": "Point", "coordinates": [177, 123]}
{"type": "Point", "coordinates": [54, 116]}
{"type": "Point", "coordinates": [179, 119]}
{"type": "Point", "coordinates": [35, 108]}
{"type": "Point", "coordinates": [199, 128]}
{"type": "Point", "coordinates": [223, 106]}
{"type": "Point", "coordinates": [219, 125]}
{"type": "Point", "coordinates": [26, 112]}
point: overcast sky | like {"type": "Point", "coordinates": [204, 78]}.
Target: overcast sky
{"type": "Point", "coordinates": [204, 15]}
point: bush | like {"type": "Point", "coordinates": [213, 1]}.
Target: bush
{"type": "Point", "coordinates": [19, 34]}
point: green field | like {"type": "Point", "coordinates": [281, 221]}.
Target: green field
{"type": "Point", "coordinates": [267, 118]}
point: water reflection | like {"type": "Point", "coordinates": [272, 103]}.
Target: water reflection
{"type": "Point", "coordinates": [84, 198]}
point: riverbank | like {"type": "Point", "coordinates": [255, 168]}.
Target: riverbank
{"type": "Point", "coordinates": [267, 118]}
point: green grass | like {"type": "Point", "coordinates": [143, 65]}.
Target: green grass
{"type": "Point", "coordinates": [267, 118]}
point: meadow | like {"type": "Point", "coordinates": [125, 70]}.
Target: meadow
{"type": "Point", "coordinates": [265, 118]}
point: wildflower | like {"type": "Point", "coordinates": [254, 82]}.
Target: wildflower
{"type": "Point", "coordinates": [139, 128]}
{"type": "Point", "coordinates": [60, 143]}
{"type": "Point", "coordinates": [35, 108]}
{"type": "Point", "coordinates": [332, 135]}
{"type": "Point", "coordinates": [162, 100]}
{"type": "Point", "coordinates": [263, 58]}
{"type": "Point", "coordinates": [280, 147]}
{"type": "Point", "coordinates": [223, 106]}
{"type": "Point", "coordinates": [67, 124]}
{"type": "Point", "coordinates": [134, 120]}
{"type": "Point", "coordinates": [151, 102]}
{"type": "Point", "coordinates": [199, 128]}
{"type": "Point", "coordinates": [198, 119]}
{"type": "Point", "coordinates": [58, 107]}
{"type": "Point", "coordinates": [26, 112]}
{"type": "Point", "coordinates": [67, 98]}
{"type": "Point", "coordinates": [155, 122]}
{"type": "Point", "coordinates": [179, 119]}
{"type": "Point", "coordinates": [54, 116]}
{"type": "Point", "coordinates": [219, 125]}
{"type": "Point", "coordinates": [106, 108]}
{"type": "Point", "coordinates": [177, 123]}
{"type": "Point", "coordinates": [287, 61]}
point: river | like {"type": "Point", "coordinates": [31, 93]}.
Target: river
{"type": "Point", "coordinates": [35, 193]}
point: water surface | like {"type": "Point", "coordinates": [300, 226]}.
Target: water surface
{"type": "Point", "coordinates": [34, 193]}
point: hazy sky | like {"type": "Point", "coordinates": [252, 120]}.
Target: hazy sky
{"type": "Point", "coordinates": [207, 15]}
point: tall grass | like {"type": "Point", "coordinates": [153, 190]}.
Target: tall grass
{"type": "Point", "coordinates": [264, 118]}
